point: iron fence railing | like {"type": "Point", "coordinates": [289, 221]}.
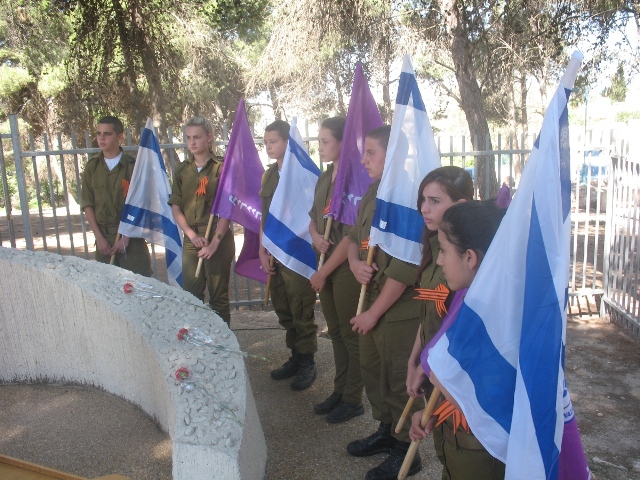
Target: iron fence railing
{"type": "Point", "coordinates": [43, 181]}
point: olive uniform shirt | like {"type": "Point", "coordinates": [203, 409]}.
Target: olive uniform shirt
{"type": "Point", "coordinates": [105, 191]}
{"type": "Point", "coordinates": [388, 266]}
{"type": "Point", "coordinates": [431, 277]}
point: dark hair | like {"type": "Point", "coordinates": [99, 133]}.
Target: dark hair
{"type": "Point", "coordinates": [115, 121]}
{"type": "Point", "coordinates": [458, 184]}
{"type": "Point", "coordinates": [381, 134]}
{"type": "Point", "coordinates": [335, 125]}
{"type": "Point", "coordinates": [281, 127]}
{"type": "Point", "coordinates": [472, 225]}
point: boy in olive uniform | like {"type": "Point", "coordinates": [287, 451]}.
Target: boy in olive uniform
{"type": "Point", "coordinates": [387, 326]}
{"type": "Point", "coordinates": [292, 297]}
{"type": "Point", "coordinates": [105, 184]}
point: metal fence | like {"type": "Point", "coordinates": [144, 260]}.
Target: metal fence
{"type": "Point", "coordinates": [46, 177]}
{"type": "Point", "coordinates": [621, 299]}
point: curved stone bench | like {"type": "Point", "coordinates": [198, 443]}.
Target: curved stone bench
{"type": "Point", "coordinates": [65, 319]}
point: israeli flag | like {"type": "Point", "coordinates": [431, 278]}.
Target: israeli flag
{"type": "Point", "coordinates": [146, 213]}
{"type": "Point", "coordinates": [286, 229]}
{"type": "Point", "coordinates": [502, 359]}
{"type": "Point", "coordinates": [412, 153]}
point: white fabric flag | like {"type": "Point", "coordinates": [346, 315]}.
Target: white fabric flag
{"type": "Point", "coordinates": [286, 229]}
{"type": "Point", "coordinates": [502, 359]}
{"type": "Point", "coordinates": [412, 153]}
{"type": "Point", "coordinates": [146, 213]}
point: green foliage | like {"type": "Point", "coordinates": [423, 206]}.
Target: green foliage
{"type": "Point", "coordinates": [626, 116]}
{"type": "Point", "coordinates": [13, 80]}
{"type": "Point", "coordinates": [617, 91]}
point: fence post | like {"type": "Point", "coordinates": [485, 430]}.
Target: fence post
{"type": "Point", "coordinates": [22, 186]}
{"type": "Point", "coordinates": [608, 231]}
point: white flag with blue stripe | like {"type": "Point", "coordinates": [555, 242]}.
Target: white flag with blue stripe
{"type": "Point", "coordinates": [286, 229]}
{"type": "Point", "coordinates": [412, 153]}
{"type": "Point", "coordinates": [146, 213]}
{"type": "Point", "coordinates": [502, 359]}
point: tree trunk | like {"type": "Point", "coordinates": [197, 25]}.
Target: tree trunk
{"type": "Point", "coordinates": [275, 102]}
{"type": "Point", "coordinates": [513, 133]}
{"type": "Point", "coordinates": [471, 98]}
{"type": "Point", "coordinates": [125, 44]}
{"type": "Point", "coordinates": [524, 123]}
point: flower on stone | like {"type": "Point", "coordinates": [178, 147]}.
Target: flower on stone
{"type": "Point", "coordinates": [182, 373]}
{"type": "Point", "coordinates": [183, 333]}
{"type": "Point", "coordinates": [128, 287]}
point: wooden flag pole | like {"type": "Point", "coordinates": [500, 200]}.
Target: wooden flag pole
{"type": "Point", "coordinates": [113, 257]}
{"type": "Point", "coordinates": [327, 231]}
{"type": "Point", "coordinates": [206, 236]}
{"type": "Point", "coordinates": [405, 414]}
{"type": "Point", "coordinates": [363, 290]}
{"type": "Point", "coordinates": [413, 449]}
{"type": "Point", "coordinates": [266, 295]}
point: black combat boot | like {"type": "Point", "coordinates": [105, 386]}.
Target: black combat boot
{"type": "Point", "coordinates": [306, 374]}
{"type": "Point", "coordinates": [389, 469]}
{"type": "Point", "coordinates": [289, 369]}
{"type": "Point", "coordinates": [379, 442]}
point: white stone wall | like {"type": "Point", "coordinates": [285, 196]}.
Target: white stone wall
{"type": "Point", "coordinates": [65, 319]}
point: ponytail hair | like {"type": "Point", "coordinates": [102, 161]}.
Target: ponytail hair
{"type": "Point", "coordinates": [472, 225]}
{"type": "Point", "coordinates": [335, 125]}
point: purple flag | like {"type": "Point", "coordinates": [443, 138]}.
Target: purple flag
{"type": "Point", "coordinates": [237, 197]}
{"type": "Point", "coordinates": [352, 180]}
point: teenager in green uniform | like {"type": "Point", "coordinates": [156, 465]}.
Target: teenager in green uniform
{"type": "Point", "coordinates": [105, 184]}
{"type": "Point", "coordinates": [194, 188]}
{"type": "Point", "coordinates": [464, 234]}
{"type": "Point", "coordinates": [387, 326]}
{"type": "Point", "coordinates": [440, 189]}
{"type": "Point", "coordinates": [292, 297]}
{"type": "Point", "coordinates": [338, 288]}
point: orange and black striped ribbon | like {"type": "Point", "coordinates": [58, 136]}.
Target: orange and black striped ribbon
{"type": "Point", "coordinates": [446, 410]}
{"type": "Point", "coordinates": [125, 187]}
{"type": "Point", "coordinates": [325, 212]}
{"type": "Point", "coordinates": [202, 187]}
{"type": "Point", "coordinates": [438, 295]}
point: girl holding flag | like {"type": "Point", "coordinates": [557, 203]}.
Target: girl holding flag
{"type": "Point", "coordinates": [439, 190]}
{"type": "Point", "coordinates": [194, 190]}
{"type": "Point", "coordinates": [338, 287]}
{"type": "Point", "coordinates": [464, 235]}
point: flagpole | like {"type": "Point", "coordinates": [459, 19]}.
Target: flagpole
{"type": "Point", "coordinates": [413, 449]}
{"type": "Point", "coordinates": [327, 231]}
{"type": "Point", "coordinates": [363, 290]}
{"type": "Point", "coordinates": [113, 256]}
{"type": "Point", "coordinates": [405, 414]}
{"type": "Point", "coordinates": [206, 236]}
{"type": "Point", "coordinates": [266, 295]}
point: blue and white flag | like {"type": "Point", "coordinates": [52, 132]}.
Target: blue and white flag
{"type": "Point", "coordinates": [502, 359]}
{"type": "Point", "coordinates": [146, 213]}
{"type": "Point", "coordinates": [286, 229]}
{"type": "Point", "coordinates": [412, 153]}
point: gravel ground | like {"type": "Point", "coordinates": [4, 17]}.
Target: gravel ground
{"type": "Point", "coordinates": [88, 432]}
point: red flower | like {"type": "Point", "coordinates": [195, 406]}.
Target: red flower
{"type": "Point", "coordinates": [182, 373]}
{"type": "Point", "coordinates": [183, 331]}
{"type": "Point", "coordinates": [128, 287]}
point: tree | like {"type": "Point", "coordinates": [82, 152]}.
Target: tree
{"type": "Point", "coordinates": [313, 49]}
{"type": "Point", "coordinates": [617, 91]}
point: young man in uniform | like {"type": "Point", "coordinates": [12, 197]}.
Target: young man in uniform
{"type": "Point", "coordinates": [105, 184]}
{"type": "Point", "coordinates": [292, 297]}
